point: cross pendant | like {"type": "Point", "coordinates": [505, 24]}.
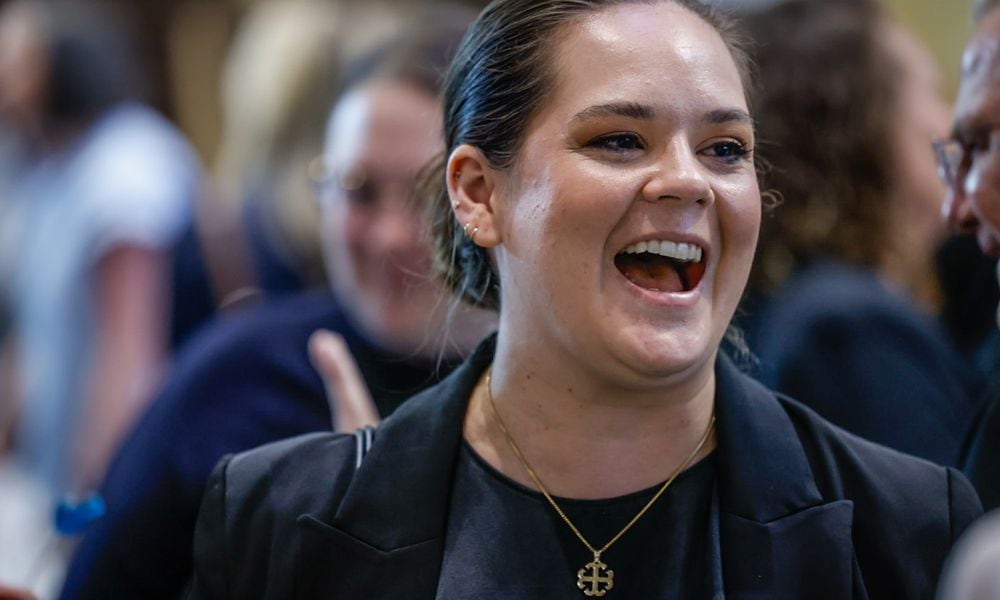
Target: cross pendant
{"type": "Point", "coordinates": [595, 578]}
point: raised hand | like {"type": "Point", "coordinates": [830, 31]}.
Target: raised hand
{"type": "Point", "coordinates": [351, 404]}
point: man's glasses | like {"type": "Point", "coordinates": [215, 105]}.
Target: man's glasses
{"type": "Point", "coordinates": [955, 157]}
{"type": "Point", "coordinates": [949, 154]}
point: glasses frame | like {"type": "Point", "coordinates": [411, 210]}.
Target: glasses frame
{"type": "Point", "coordinates": [328, 185]}
{"type": "Point", "coordinates": [949, 154]}
{"type": "Point", "coordinates": [955, 157]}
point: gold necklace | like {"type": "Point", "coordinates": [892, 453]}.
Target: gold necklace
{"type": "Point", "coordinates": [595, 578]}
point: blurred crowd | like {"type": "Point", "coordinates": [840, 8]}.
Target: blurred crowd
{"type": "Point", "coordinates": [190, 190]}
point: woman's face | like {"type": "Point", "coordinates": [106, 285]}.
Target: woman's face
{"type": "Point", "coordinates": [376, 243]}
{"type": "Point", "coordinates": [630, 218]}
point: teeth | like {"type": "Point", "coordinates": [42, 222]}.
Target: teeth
{"type": "Point", "coordinates": [675, 250]}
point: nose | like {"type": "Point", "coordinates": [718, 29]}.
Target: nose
{"type": "Point", "coordinates": [958, 212]}
{"type": "Point", "coordinates": [679, 175]}
{"type": "Point", "coordinates": [397, 227]}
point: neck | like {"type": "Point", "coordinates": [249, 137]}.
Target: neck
{"type": "Point", "coordinates": [586, 438]}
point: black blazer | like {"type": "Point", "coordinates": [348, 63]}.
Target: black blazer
{"type": "Point", "coordinates": [806, 510]}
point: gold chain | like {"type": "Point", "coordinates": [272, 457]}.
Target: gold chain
{"type": "Point", "coordinates": [545, 492]}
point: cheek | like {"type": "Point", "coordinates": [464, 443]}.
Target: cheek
{"type": "Point", "coordinates": [353, 230]}
{"type": "Point", "coordinates": [344, 237]}
{"type": "Point", "coordinates": [740, 216]}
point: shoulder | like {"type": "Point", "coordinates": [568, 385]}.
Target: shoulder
{"type": "Point", "coordinates": [894, 516]}
{"type": "Point", "coordinates": [277, 481]}
{"type": "Point", "coordinates": [251, 506]}
{"type": "Point", "coordinates": [837, 294]}
{"type": "Point", "coordinates": [892, 492]}
{"type": "Point", "coordinates": [137, 136]}
{"type": "Point", "coordinates": [839, 329]}
{"type": "Point", "coordinates": [259, 335]}
{"type": "Point", "coordinates": [133, 161]}
{"type": "Point", "coordinates": [241, 381]}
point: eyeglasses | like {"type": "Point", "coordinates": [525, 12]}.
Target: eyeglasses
{"type": "Point", "coordinates": [327, 184]}
{"type": "Point", "coordinates": [359, 187]}
{"type": "Point", "coordinates": [949, 154]}
{"type": "Point", "coordinates": [955, 157]}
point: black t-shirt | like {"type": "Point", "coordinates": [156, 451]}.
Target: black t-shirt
{"type": "Point", "coordinates": [506, 541]}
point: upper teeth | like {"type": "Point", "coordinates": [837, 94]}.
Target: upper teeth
{"type": "Point", "coordinates": [674, 250]}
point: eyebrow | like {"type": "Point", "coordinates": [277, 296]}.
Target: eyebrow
{"type": "Point", "coordinates": [727, 115]}
{"type": "Point", "coordinates": [631, 110]}
{"type": "Point", "coordinates": [644, 112]}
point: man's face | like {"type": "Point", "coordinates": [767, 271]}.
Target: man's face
{"type": "Point", "coordinates": [973, 204]}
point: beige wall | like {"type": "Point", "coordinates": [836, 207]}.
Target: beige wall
{"type": "Point", "coordinates": [944, 25]}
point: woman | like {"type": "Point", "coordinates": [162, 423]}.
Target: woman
{"type": "Point", "coordinates": [601, 192]}
{"type": "Point", "coordinates": [848, 106]}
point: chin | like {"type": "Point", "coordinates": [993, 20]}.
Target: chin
{"type": "Point", "coordinates": [666, 355]}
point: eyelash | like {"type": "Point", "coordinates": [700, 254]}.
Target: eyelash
{"type": "Point", "coordinates": [614, 142]}
{"type": "Point", "coordinates": [738, 152]}
{"type": "Point", "coordinates": [620, 143]}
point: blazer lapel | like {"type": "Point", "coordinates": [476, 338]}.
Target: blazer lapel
{"type": "Point", "coordinates": [779, 538]}
{"type": "Point", "coordinates": [385, 539]}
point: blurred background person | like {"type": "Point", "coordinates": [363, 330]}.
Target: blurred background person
{"type": "Point", "coordinates": [838, 315]}
{"type": "Point", "coordinates": [103, 188]}
{"type": "Point", "coordinates": [970, 166]}
{"type": "Point", "coordinates": [255, 233]}
{"type": "Point", "coordinates": [247, 379]}
{"type": "Point", "coordinates": [108, 188]}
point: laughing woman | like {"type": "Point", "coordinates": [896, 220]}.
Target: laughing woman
{"type": "Point", "coordinates": [600, 192]}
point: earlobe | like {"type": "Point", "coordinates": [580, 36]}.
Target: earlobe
{"type": "Point", "coordinates": [472, 185]}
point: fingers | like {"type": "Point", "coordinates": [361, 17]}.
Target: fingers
{"type": "Point", "coordinates": [351, 405]}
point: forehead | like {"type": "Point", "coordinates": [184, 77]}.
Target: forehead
{"type": "Point", "coordinates": [397, 121]}
{"type": "Point", "coordinates": [659, 54]}
{"type": "Point", "coordinates": [978, 101]}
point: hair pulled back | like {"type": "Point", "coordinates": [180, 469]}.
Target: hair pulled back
{"type": "Point", "coordinates": [500, 77]}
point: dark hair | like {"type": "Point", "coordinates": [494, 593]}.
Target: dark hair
{"type": "Point", "coordinates": [828, 83]}
{"type": "Point", "coordinates": [499, 79]}
{"type": "Point", "coordinates": [92, 64]}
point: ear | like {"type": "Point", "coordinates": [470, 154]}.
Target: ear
{"type": "Point", "coordinates": [472, 187]}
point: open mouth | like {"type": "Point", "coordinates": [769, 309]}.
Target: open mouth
{"type": "Point", "coordinates": [662, 265]}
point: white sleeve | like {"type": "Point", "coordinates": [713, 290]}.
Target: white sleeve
{"type": "Point", "coordinates": [141, 178]}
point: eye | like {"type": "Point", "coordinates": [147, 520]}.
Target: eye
{"type": "Point", "coordinates": [977, 145]}
{"type": "Point", "coordinates": [730, 151]}
{"type": "Point", "coordinates": [617, 142]}
{"type": "Point", "coordinates": [362, 195]}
